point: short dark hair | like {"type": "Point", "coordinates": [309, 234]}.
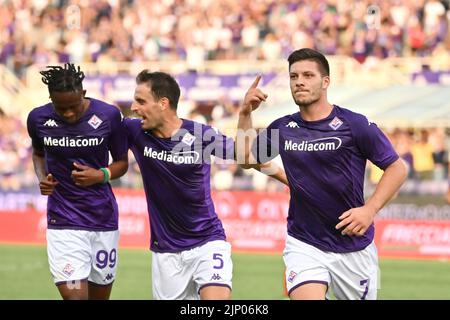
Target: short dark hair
{"type": "Point", "coordinates": [62, 79]}
{"type": "Point", "coordinates": [310, 54]}
{"type": "Point", "coordinates": [162, 85]}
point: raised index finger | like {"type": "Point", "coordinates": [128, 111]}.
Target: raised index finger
{"type": "Point", "coordinates": [256, 81]}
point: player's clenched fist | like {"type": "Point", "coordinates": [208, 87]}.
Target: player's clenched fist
{"type": "Point", "coordinates": [85, 176]}
{"type": "Point", "coordinates": [47, 185]}
{"type": "Point", "coordinates": [253, 97]}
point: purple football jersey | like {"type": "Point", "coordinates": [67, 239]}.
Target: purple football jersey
{"type": "Point", "coordinates": [176, 177]}
{"type": "Point", "coordinates": [325, 162]}
{"type": "Point", "coordinates": [99, 131]}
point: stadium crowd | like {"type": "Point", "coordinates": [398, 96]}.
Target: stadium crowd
{"type": "Point", "coordinates": [426, 151]}
{"type": "Point", "coordinates": [109, 31]}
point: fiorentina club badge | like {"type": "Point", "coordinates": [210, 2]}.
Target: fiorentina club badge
{"type": "Point", "coordinates": [95, 121]}
{"type": "Point", "coordinates": [292, 275]}
{"type": "Point", "coordinates": [188, 139]}
{"type": "Point", "coordinates": [68, 269]}
{"type": "Point", "coordinates": [335, 123]}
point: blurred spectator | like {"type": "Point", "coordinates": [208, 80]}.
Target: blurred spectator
{"type": "Point", "coordinates": [428, 156]}
{"type": "Point", "coordinates": [447, 196]}
{"type": "Point", "coordinates": [422, 152]}
{"type": "Point", "coordinates": [84, 31]}
{"type": "Point", "coordinates": [222, 174]}
{"type": "Point", "coordinates": [440, 156]}
{"type": "Point", "coordinates": [15, 155]}
{"type": "Point", "coordinates": [108, 32]}
{"type": "Point", "coordinates": [402, 141]}
{"type": "Point", "coordinates": [195, 115]}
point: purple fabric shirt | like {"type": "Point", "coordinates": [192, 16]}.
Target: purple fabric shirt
{"type": "Point", "coordinates": [87, 142]}
{"type": "Point", "coordinates": [176, 176]}
{"type": "Point", "coordinates": [325, 162]}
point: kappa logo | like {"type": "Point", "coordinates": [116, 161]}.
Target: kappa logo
{"type": "Point", "coordinates": [108, 277]}
{"type": "Point", "coordinates": [50, 123]}
{"type": "Point", "coordinates": [216, 276]}
{"type": "Point", "coordinates": [335, 123]}
{"type": "Point", "coordinates": [95, 121]}
{"type": "Point", "coordinates": [292, 124]}
{"type": "Point", "coordinates": [188, 139]}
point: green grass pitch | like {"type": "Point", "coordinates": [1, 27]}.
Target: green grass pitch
{"type": "Point", "coordinates": [24, 274]}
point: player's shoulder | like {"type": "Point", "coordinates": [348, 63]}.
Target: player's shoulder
{"type": "Point", "coordinates": [195, 127]}
{"type": "Point", "coordinates": [40, 111]}
{"type": "Point", "coordinates": [284, 121]}
{"type": "Point", "coordinates": [356, 122]}
{"type": "Point", "coordinates": [350, 116]}
{"type": "Point", "coordinates": [104, 108]}
{"type": "Point", "coordinates": [132, 124]}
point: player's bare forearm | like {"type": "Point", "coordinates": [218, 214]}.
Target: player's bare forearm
{"type": "Point", "coordinates": [245, 133]}
{"type": "Point", "coordinates": [245, 120]}
{"type": "Point", "coordinates": [39, 164]}
{"type": "Point", "coordinates": [118, 168]}
{"type": "Point", "coordinates": [245, 137]}
{"type": "Point", "coordinates": [272, 170]}
{"type": "Point", "coordinates": [356, 221]}
{"type": "Point", "coordinates": [47, 182]}
{"type": "Point", "coordinates": [390, 182]}
{"type": "Point", "coordinates": [281, 176]}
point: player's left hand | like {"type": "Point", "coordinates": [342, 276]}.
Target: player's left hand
{"type": "Point", "coordinates": [253, 98]}
{"type": "Point", "coordinates": [356, 220]}
{"type": "Point", "coordinates": [85, 176]}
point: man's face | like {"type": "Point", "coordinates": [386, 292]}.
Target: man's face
{"type": "Point", "coordinates": [69, 104]}
{"type": "Point", "coordinates": [306, 82]}
{"type": "Point", "coordinates": [146, 106]}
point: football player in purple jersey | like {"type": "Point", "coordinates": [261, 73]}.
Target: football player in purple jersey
{"type": "Point", "coordinates": [72, 139]}
{"type": "Point", "coordinates": [191, 258]}
{"type": "Point", "coordinates": [324, 149]}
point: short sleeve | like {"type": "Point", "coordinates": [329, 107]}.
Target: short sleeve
{"type": "Point", "coordinates": [31, 127]}
{"type": "Point", "coordinates": [219, 144]}
{"type": "Point", "coordinates": [118, 144]}
{"type": "Point", "coordinates": [373, 143]}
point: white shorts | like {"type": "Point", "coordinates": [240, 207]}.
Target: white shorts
{"type": "Point", "coordinates": [351, 276]}
{"type": "Point", "coordinates": [180, 276]}
{"type": "Point", "coordinates": [82, 255]}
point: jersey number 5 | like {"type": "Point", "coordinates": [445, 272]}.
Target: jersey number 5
{"type": "Point", "coordinates": [218, 257]}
